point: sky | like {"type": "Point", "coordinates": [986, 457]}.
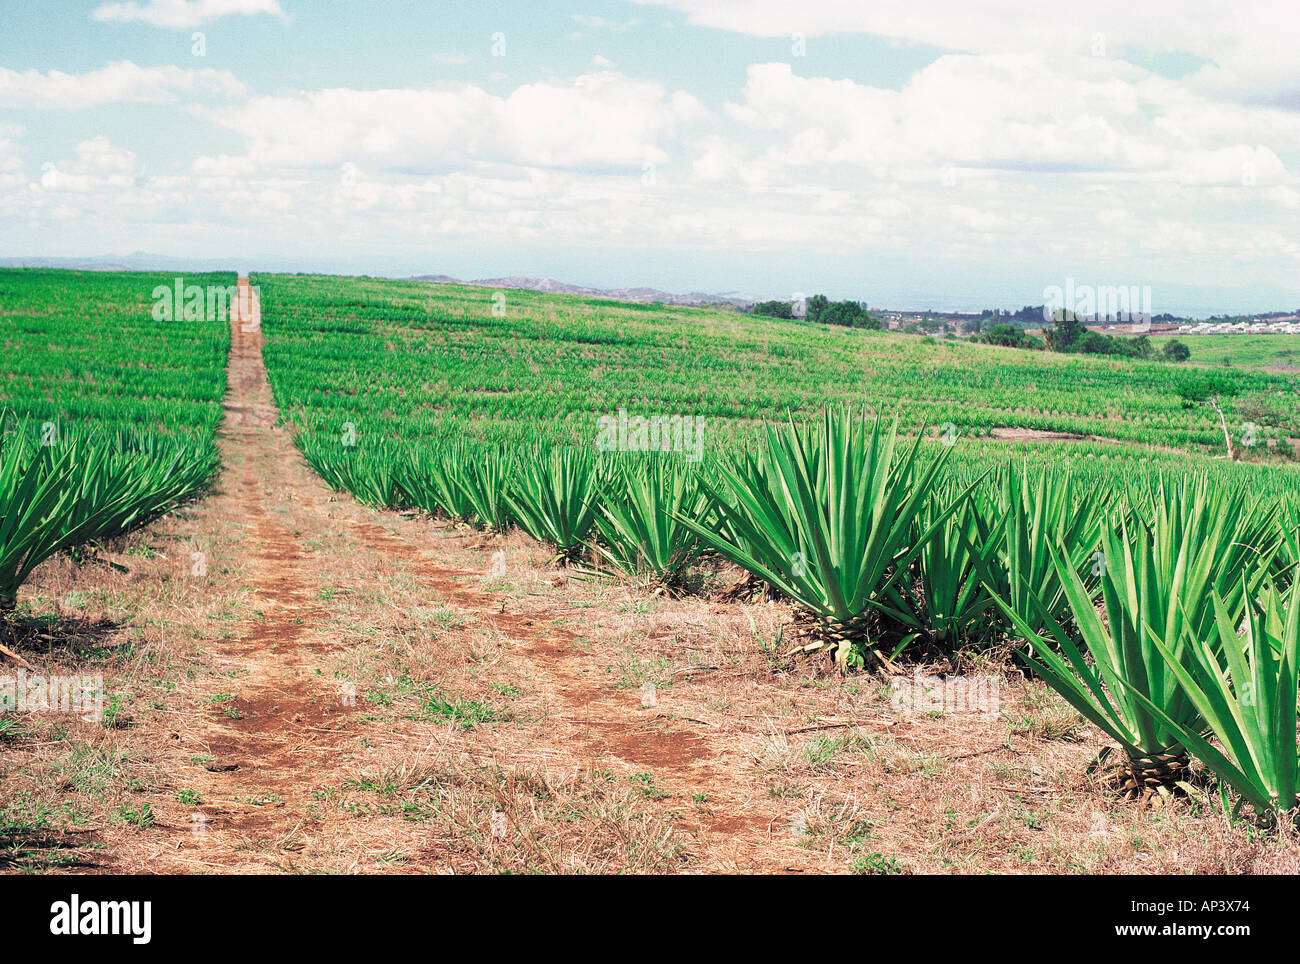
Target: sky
{"type": "Point", "coordinates": [908, 153]}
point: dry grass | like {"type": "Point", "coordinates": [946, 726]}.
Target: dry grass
{"type": "Point", "coordinates": [403, 696]}
{"type": "Point", "coordinates": [745, 761]}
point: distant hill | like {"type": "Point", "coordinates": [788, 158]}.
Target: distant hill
{"type": "Point", "coordinates": [551, 286]}
{"type": "Point", "coordinates": [136, 261]}
{"type": "Point", "coordinates": [145, 261]}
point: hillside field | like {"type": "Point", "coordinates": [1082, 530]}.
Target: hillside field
{"type": "Point", "coordinates": [365, 590]}
{"type": "Point", "coordinates": [415, 360]}
{"type": "Point", "coordinates": [1276, 353]}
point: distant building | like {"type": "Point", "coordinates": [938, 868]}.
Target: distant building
{"type": "Point", "coordinates": [1288, 325]}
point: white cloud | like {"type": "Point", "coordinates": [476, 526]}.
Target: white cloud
{"type": "Point", "coordinates": [1021, 156]}
{"type": "Point", "coordinates": [597, 120]}
{"type": "Point", "coordinates": [9, 160]}
{"type": "Point", "coordinates": [97, 157]}
{"type": "Point", "coordinates": [223, 166]}
{"type": "Point", "coordinates": [1011, 113]}
{"type": "Point", "coordinates": [99, 168]}
{"type": "Point", "coordinates": [121, 81]}
{"type": "Point", "coordinates": [1239, 166]}
{"type": "Point", "coordinates": [1250, 44]}
{"type": "Point", "coordinates": [180, 14]}
{"type": "Point", "coordinates": [11, 165]}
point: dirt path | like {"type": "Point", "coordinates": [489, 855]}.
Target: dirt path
{"type": "Point", "coordinates": [683, 757]}
{"type": "Point", "coordinates": [299, 683]}
{"type": "Point", "coordinates": [275, 730]}
{"type": "Point", "coordinates": [259, 742]}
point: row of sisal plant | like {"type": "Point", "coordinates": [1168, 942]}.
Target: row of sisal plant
{"type": "Point", "coordinates": [85, 484]}
{"type": "Point", "coordinates": [626, 514]}
{"type": "Point", "coordinates": [1165, 614]}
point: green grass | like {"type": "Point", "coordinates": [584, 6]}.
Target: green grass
{"type": "Point", "coordinates": [466, 714]}
{"type": "Point", "coordinates": [1280, 352]}
{"type": "Point", "coordinates": [410, 371]}
{"type": "Point", "coordinates": [106, 415]}
{"type": "Point", "coordinates": [81, 347]}
{"type": "Point", "coordinates": [411, 360]}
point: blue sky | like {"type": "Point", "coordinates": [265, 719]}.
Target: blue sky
{"type": "Point", "coordinates": [912, 154]}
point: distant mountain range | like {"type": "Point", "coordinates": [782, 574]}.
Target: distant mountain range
{"type": "Point", "coordinates": [551, 286]}
{"type": "Point", "coordinates": [136, 261]}
{"type": "Point", "coordinates": [145, 261]}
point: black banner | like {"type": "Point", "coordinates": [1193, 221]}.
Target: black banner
{"type": "Point", "coordinates": [143, 914]}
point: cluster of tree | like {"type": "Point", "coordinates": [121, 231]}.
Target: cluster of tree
{"type": "Point", "coordinates": [821, 310]}
{"type": "Point", "coordinates": [773, 309]}
{"type": "Point", "coordinates": [847, 313]}
{"type": "Point", "coordinates": [1029, 314]}
{"type": "Point", "coordinates": [1009, 336]}
{"type": "Point", "coordinates": [1069, 334]}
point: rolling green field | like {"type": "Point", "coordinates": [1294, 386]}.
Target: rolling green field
{"type": "Point", "coordinates": [444, 397]}
{"type": "Point", "coordinates": [408, 360]}
{"type": "Point", "coordinates": [83, 347]}
{"type": "Point", "coordinates": [1275, 352]}
{"type": "Point", "coordinates": [1124, 568]}
{"type": "Point", "coordinates": [497, 410]}
{"type": "Point", "coordinates": [107, 415]}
